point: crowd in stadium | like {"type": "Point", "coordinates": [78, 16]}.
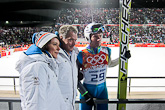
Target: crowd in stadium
{"type": "Point", "coordinates": [111, 16]}
{"type": "Point", "coordinates": [81, 17]}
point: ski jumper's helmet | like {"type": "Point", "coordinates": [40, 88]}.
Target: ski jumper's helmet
{"type": "Point", "coordinates": [92, 28]}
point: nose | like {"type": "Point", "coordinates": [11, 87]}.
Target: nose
{"type": "Point", "coordinates": [58, 48]}
{"type": "Point", "coordinates": [99, 38]}
{"type": "Point", "coordinates": [74, 42]}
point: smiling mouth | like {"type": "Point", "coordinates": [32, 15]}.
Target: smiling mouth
{"type": "Point", "coordinates": [56, 52]}
{"type": "Point", "coordinates": [71, 46]}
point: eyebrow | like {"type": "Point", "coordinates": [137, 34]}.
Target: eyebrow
{"type": "Point", "coordinates": [71, 38]}
{"type": "Point", "coordinates": [54, 42]}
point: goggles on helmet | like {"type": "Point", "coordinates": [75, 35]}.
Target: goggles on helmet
{"type": "Point", "coordinates": [97, 28]}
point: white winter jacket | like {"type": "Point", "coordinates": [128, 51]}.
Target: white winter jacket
{"type": "Point", "coordinates": [68, 74]}
{"type": "Point", "coordinates": [38, 83]}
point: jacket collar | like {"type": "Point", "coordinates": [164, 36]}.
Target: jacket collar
{"type": "Point", "coordinates": [62, 52]}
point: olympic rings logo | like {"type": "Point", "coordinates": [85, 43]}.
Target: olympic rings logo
{"type": "Point", "coordinates": [96, 59]}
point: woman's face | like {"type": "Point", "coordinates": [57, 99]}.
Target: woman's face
{"type": "Point", "coordinates": [54, 47]}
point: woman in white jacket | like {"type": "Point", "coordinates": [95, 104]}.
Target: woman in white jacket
{"type": "Point", "coordinates": [38, 70]}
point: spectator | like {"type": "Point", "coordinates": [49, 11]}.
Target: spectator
{"type": "Point", "coordinates": [38, 70]}
{"type": "Point", "coordinates": [67, 64]}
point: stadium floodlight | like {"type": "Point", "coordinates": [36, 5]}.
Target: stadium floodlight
{"type": "Point", "coordinates": [7, 22]}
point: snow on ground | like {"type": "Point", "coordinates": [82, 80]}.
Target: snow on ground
{"type": "Point", "coordinates": [145, 62]}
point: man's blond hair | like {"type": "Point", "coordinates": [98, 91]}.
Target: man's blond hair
{"type": "Point", "coordinates": [65, 29]}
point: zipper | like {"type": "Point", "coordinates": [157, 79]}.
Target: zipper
{"type": "Point", "coordinates": [67, 57]}
{"type": "Point", "coordinates": [72, 82]}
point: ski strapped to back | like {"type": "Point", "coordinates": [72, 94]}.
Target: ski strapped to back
{"type": "Point", "coordinates": [124, 31]}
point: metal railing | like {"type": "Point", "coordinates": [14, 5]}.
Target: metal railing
{"type": "Point", "coordinates": [109, 101]}
{"type": "Point", "coordinates": [13, 77]}
{"type": "Point", "coordinates": [10, 101]}
{"type": "Point", "coordinates": [129, 84]}
{"type": "Point", "coordinates": [96, 101]}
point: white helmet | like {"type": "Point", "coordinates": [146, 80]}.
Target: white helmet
{"type": "Point", "coordinates": [92, 28]}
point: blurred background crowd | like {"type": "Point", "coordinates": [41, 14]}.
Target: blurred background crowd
{"type": "Point", "coordinates": [139, 33]}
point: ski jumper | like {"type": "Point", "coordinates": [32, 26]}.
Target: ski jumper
{"type": "Point", "coordinates": [94, 67]}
